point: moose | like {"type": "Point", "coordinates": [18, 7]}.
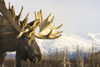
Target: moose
{"type": "Point", "coordinates": [19, 36]}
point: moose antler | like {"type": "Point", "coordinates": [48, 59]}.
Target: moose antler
{"type": "Point", "coordinates": [10, 15]}
{"type": "Point", "coordinates": [28, 29]}
{"type": "Point", "coordinates": [46, 30]}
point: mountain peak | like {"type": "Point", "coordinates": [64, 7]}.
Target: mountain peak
{"type": "Point", "coordinates": [69, 41]}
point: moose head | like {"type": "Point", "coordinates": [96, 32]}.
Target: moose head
{"type": "Point", "coordinates": [19, 36]}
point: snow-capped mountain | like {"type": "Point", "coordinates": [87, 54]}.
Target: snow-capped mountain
{"type": "Point", "coordinates": [71, 42]}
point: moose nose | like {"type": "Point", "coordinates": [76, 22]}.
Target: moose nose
{"type": "Point", "coordinates": [36, 60]}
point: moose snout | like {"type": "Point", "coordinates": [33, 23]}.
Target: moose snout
{"type": "Point", "coordinates": [35, 59]}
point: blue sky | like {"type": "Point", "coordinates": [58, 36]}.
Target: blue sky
{"type": "Point", "coordinates": [77, 16]}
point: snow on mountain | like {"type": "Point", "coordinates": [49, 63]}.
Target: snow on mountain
{"type": "Point", "coordinates": [71, 42]}
{"type": "Point", "coordinates": [95, 38]}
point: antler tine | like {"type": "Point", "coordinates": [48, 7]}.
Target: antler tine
{"type": "Point", "coordinates": [58, 27]}
{"type": "Point", "coordinates": [48, 18]}
{"type": "Point", "coordinates": [54, 37]}
{"type": "Point", "coordinates": [36, 17]}
{"type": "Point", "coordinates": [38, 13]}
{"type": "Point", "coordinates": [19, 16]}
{"type": "Point", "coordinates": [57, 36]}
{"type": "Point", "coordinates": [20, 13]}
{"type": "Point", "coordinates": [25, 21]}
{"type": "Point", "coordinates": [59, 32]}
{"type": "Point", "coordinates": [13, 12]}
{"type": "Point", "coordinates": [51, 21]}
{"type": "Point", "coordinates": [9, 6]}
{"type": "Point", "coordinates": [41, 15]}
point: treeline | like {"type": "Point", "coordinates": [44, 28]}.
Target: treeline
{"type": "Point", "coordinates": [63, 59]}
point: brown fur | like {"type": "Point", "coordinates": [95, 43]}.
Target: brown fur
{"type": "Point", "coordinates": [25, 48]}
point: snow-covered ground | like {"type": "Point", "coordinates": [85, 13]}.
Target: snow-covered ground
{"type": "Point", "coordinates": [69, 41]}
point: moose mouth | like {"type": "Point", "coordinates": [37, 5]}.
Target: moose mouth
{"type": "Point", "coordinates": [34, 60]}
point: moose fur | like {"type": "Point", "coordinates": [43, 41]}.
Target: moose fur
{"type": "Point", "coordinates": [19, 36]}
{"type": "Point", "coordinates": [25, 48]}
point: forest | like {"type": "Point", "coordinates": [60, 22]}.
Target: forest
{"type": "Point", "coordinates": [62, 59]}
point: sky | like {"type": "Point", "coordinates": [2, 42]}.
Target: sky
{"type": "Point", "coordinates": [77, 16]}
